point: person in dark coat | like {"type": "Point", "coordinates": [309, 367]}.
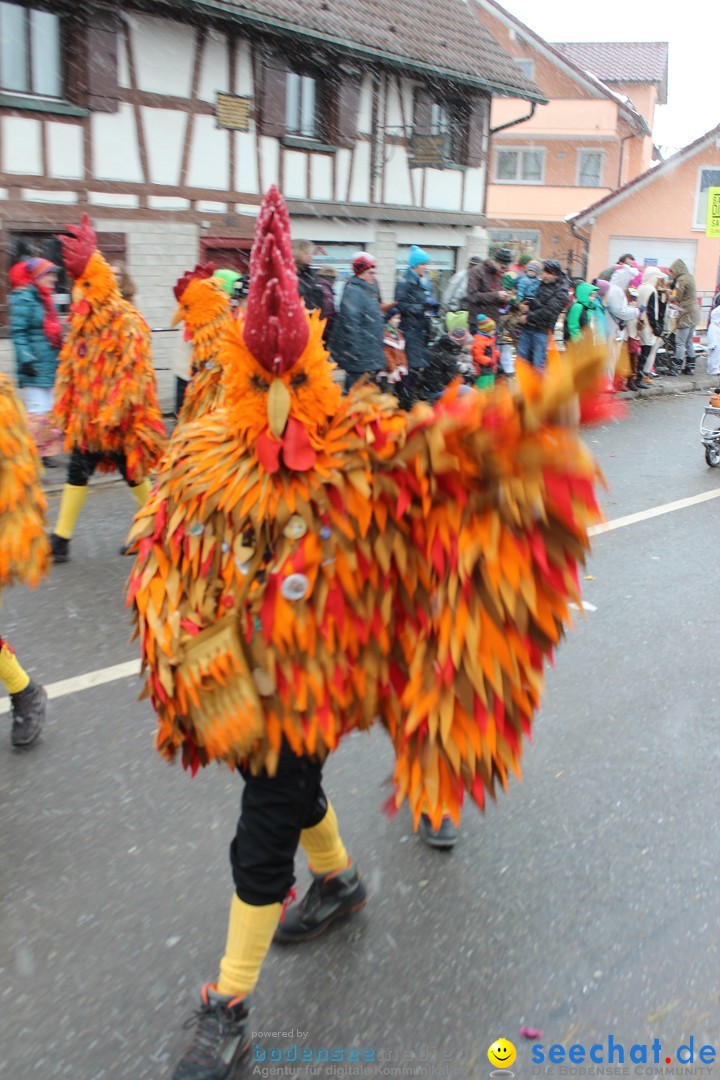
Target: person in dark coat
{"type": "Point", "coordinates": [356, 341]}
{"type": "Point", "coordinates": [414, 298]}
{"type": "Point", "coordinates": [311, 292]}
{"type": "Point", "coordinates": [326, 280]}
{"type": "Point", "coordinates": [485, 293]}
{"type": "Point", "coordinates": [541, 312]}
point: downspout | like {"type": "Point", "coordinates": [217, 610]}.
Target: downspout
{"type": "Point", "coordinates": [622, 156]}
{"type": "Point", "coordinates": [493, 131]}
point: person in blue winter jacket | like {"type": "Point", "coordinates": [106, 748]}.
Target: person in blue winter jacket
{"type": "Point", "coordinates": [529, 283]}
{"type": "Point", "coordinates": [414, 298]}
{"type": "Point", "coordinates": [36, 336]}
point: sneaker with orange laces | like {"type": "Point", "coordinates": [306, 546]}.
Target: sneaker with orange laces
{"type": "Point", "coordinates": [220, 1039]}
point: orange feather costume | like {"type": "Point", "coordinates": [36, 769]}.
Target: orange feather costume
{"type": "Point", "coordinates": [205, 309]}
{"type": "Point", "coordinates": [23, 543]}
{"type": "Point", "coordinates": [308, 563]}
{"type": "Point", "coordinates": [105, 390]}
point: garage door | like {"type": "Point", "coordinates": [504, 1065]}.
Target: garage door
{"type": "Point", "coordinates": [652, 251]}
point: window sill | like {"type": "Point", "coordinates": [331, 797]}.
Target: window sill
{"type": "Point", "coordinates": [39, 104]}
{"type": "Point", "coordinates": [295, 142]}
{"type": "Point", "coordinates": [521, 183]}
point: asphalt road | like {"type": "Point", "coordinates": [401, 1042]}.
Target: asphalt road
{"type": "Point", "coordinates": [584, 903]}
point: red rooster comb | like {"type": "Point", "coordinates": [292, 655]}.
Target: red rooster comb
{"type": "Point", "coordinates": [275, 327]}
{"type": "Point", "coordinates": [202, 270]}
{"type": "Point", "coordinates": [79, 246]}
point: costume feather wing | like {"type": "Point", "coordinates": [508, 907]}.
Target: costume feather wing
{"type": "Point", "coordinates": [494, 495]}
{"type": "Point", "coordinates": [23, 543]}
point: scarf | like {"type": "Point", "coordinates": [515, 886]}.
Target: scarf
{"type": "Point", "coordinates": [51, 323]}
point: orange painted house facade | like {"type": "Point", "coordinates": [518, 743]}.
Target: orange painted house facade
{"type": "Point", "coordinates": [589, 140]}
{"type": "Point", "coordinates": [660, 216]}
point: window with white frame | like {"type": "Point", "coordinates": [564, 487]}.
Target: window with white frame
{"type": "Point", "coordinates": [590, 168]}
{"type": "Point", "coordinates": [519, 166]}
{"type": "Point", "coordinates": [707, 178]}
{"type": "Point", "coordinates": [30, 51]}
{"type": "Point", "coordinates": [526, 65]}
{"type": "Point", "coordinates": [301, 105]}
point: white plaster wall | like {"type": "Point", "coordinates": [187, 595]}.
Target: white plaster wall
{"type": "Point", "coordinates": [443, 189]}
{"type": "Point", "coordinates": [246, 164]}
{"type": "Point", "coordinates": [474, 190]}
{"type": "Point", "coordinates": [269, 157]}
{"type": "Point", "coordinates": [22, 146]}
{"type": "Point", "coordinates": [164, 138]}
{"type": "Point", "coordinates": [243, 69]}
{"type": "Point", "coordinates": [360, 186]}
{"type": "Point", "coordinates": [65, 150]}
{"type": "Point", "coordinates": [214, 74]}
{"type": "Point", "coordinates": [209, 155]}
{"type": "Point", "coordinates": [123, 65]}
{"type": "Point", "coordinates": [342, 166]}
{"type": "Point", "coordinates": [33, 195]}
{"type": "Point", "coordinates": [164, 52]}
{"type": "Point", "coordinates": [294, 175]}
{"type": "Point", "coordinates": [116, 155]}
{"type": "Point", "coordinates": [394, 113]}
{"type": "Point", "coordinates": [364, 122]}
{"type": "Point", "coordinates": [321, 176]}
{"type": "Point", "coordinates": [114, 198]}
{"type": "Point", "coordinates": [397, 177]}
{"type": "Point", "coordinates": [407, 89]}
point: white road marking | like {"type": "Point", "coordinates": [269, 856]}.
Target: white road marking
{"type": "Point", "coordinates": [655, 511]}
{"type": "Point", "coordinates": [87, 681]}
{"type": "Point", "coordinates": [132, 667]}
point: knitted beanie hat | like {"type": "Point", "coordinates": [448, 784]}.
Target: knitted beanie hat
{"type": "Point", "coordinates": [38, 267]}
{"type": "Point", "coordinates": [417, 256]}
{"type": "Point", "coordinates": [535, 265]}
{"type": "Point", "coordinates": [362, 262]}
{"type": "Point", "coordinates": [485, 325]}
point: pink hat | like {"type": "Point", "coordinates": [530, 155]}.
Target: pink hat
{"type": "Point", "coordinates": [602, 286]}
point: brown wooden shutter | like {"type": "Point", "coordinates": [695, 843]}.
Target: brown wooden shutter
{"type": "Point", "coordinates": [477, 118]}
{"type": "Point", "coordinates": [422, 111]}
{"type": "Point", "coordinates": [101, 72]}
{"type": "Point", "coordinates": [274, 92]}
{"type": "Point", "coordinates": [347, 109]}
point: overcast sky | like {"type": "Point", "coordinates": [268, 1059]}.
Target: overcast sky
{"type": "Point", "coordinates": [689, 27]}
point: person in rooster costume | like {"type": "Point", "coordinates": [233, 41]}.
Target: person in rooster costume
{"type": "Point", "coordinates": [204, 308]}
{"type": "Point", "coordinates": [105, 390]}
{"type": "Point", "coordinates": [308, 563]}
{"type": "Point", "coordinates": [23, 553]}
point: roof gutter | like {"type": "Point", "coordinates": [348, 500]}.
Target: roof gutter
{"type": "Point", "coordinates": [266, 22]}
{"type": "Point", "coordinates": [513, 123]}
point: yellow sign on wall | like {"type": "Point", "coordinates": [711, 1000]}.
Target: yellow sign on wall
{"type": "Point", "coordinates": [712, 224]}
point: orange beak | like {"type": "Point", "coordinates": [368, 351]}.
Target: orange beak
{"type": "Point", "coordinates": [177, 317]}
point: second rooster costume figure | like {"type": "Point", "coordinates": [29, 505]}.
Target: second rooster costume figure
{"type": "Point", "coordinates": [308, 563]}
{"type": "Point", "coordinates": [105, 390]}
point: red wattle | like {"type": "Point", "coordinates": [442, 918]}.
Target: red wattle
{"type": "Point", "coordinates": [298, 453]}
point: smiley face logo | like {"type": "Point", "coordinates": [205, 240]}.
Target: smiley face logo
{"type": "Point", "coordinates": [502, 1053]}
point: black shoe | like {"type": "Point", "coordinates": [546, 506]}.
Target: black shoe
{"type": "Point", "coordinates": [28, 714]}
{"type": "Point", "coordinates": [220, 1038]}
{"type": "Point", "coordinates": [688, 371]}
{"type": "Point", "coordinates": [328, 898]}
{"type": "Point", "coordinates": [59, 548]}
{"type": "Point", "coordinates": [51, 462]}
{"type": "Point", "coordinates": [127, 549]}
{"type": "Point", "coordinates": [444, 837]}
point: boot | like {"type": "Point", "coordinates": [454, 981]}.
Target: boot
{"type": "Point", "coordinates": [59, 548]}
{"type": "Point", "coordinates": [28, 714]}
{"type": "Point", "coordinates": [220, 1039]}
{"type": "Point", "coordinates": [444, 837]}
{"type": "Point", "coordinates": [328, 898]}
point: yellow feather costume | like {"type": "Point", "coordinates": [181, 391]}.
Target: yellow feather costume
{"type": "Point", "coordinates": [105, 390]}
{"type": "Point", "coordinates": [205, 309]}
{"type": "Point", "coordinates": [309, 563]}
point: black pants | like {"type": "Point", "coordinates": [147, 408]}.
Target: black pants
{"type": "Point", "coordinates": [83, 464]}
{"type": "Point", "coordinates": [274, 811]}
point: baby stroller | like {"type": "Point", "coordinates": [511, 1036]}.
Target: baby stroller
{"type": "Point", "coordinates": [710, 429]}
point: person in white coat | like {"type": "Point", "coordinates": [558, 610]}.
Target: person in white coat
{"type": "Point", "coordinates": [713, 340]}
{"type": "Point", "coordinates": [618, 313]}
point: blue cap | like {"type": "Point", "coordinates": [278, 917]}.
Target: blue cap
{"type": "Point", "coordinates": [418, 256]}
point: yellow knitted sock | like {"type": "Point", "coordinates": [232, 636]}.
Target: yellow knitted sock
{"type": "Point", "coordinates": [72, 502]}
{"type": "Point", "coordinates": [322, 844]}
{"type": "Point", "coordinates": [141, 493]}
{"type": "Point", "coordinates": [250, 931]}
{"type": "Point", "coordinates": [13, 677]}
